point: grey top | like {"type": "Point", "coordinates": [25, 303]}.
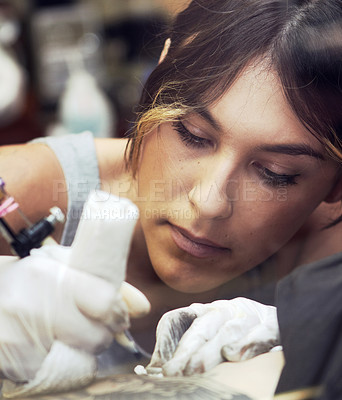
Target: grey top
{"type": "Point", "coordinates": [77, 156]}
{"type": "Point", "coordinates": [309, 307]}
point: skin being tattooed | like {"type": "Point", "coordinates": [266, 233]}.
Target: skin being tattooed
{"type": "Point", "coordinates": [133, 387]}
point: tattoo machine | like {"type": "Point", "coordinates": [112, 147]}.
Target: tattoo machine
{"type": "Point", "coordinates": [34, 235]}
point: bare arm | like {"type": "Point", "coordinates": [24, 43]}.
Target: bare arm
{"type": "Point", "coordinates": [35, 179]}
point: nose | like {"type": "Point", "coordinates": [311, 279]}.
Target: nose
{"type": "Point", "coordinates": [213, 195]}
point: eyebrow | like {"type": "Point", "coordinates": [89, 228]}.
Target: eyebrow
{"type": "Point", "coordinates": [289, 149]}
{"type": "Point", "coordinates": [206, 114]}
{"type": "Point", "coordinates": [292, 150]}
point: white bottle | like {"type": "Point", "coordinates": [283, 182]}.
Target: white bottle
{"type": "Point", "coordinates": [84, 106]}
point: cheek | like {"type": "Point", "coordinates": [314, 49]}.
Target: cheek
{"type": "Point", "coordinates": [271, 222]}
{"type": "Point", "coordinates": [162, 175]}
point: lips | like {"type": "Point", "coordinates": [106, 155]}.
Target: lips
{"type": "Point", "coordinates": [197, 247]}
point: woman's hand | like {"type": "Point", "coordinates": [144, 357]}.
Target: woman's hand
{"type": "Point", "coordinates": [195, 339]}
{"type": "Point", "coordinates": [43, 300]}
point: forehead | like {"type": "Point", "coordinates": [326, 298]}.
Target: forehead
{"type": "Point", "coordinates": [256, 106]}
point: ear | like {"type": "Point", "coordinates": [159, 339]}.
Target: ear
{"type": "Point", "coordinates": [335, 193]}
{"type": "Point", "coordinates": [163, 54]}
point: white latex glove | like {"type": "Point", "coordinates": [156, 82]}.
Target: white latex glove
{"type": "Point", "coordinates": [69, 302]}
{"type": "Point", "coordinates": [42, 300]}
{"type": "Point", "coordinates": [195, 339]}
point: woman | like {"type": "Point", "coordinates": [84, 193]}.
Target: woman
{"type": "Point", "coordinates": [237, 152]}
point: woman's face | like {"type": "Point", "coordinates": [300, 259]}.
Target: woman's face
{"type": "Point", "coordinates": [222, 191]}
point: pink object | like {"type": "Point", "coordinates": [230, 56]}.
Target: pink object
{"type": "Point", "coordinates": [8, 206]}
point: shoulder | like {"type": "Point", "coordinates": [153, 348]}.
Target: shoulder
{"type": "Point", "coordinates": [111, 161]}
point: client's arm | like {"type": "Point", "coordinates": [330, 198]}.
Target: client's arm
{"type": "Point", "coordinates": [33, 176]}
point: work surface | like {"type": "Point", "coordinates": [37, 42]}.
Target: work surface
{"type": "Point", "coordinates": [253, 379]}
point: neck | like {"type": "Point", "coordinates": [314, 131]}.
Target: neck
{"type": "Point", "coordinates": [322, 242]}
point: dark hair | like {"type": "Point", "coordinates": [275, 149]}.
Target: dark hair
{"type": "Point", "coordinates": [213, 40]}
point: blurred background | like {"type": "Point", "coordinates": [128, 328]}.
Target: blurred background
{"type": "Point", "coordinates": [72, 65]}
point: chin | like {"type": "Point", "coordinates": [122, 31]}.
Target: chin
{"type": "Point", "coordinates": [186, 284]}
{"type": "Point", "coordinates": [185, 276]}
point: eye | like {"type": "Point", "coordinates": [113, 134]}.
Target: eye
{"type": "Point", "coordinates": [189, 138]}
{"type": "Point", "coordinates": [273, 179]}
